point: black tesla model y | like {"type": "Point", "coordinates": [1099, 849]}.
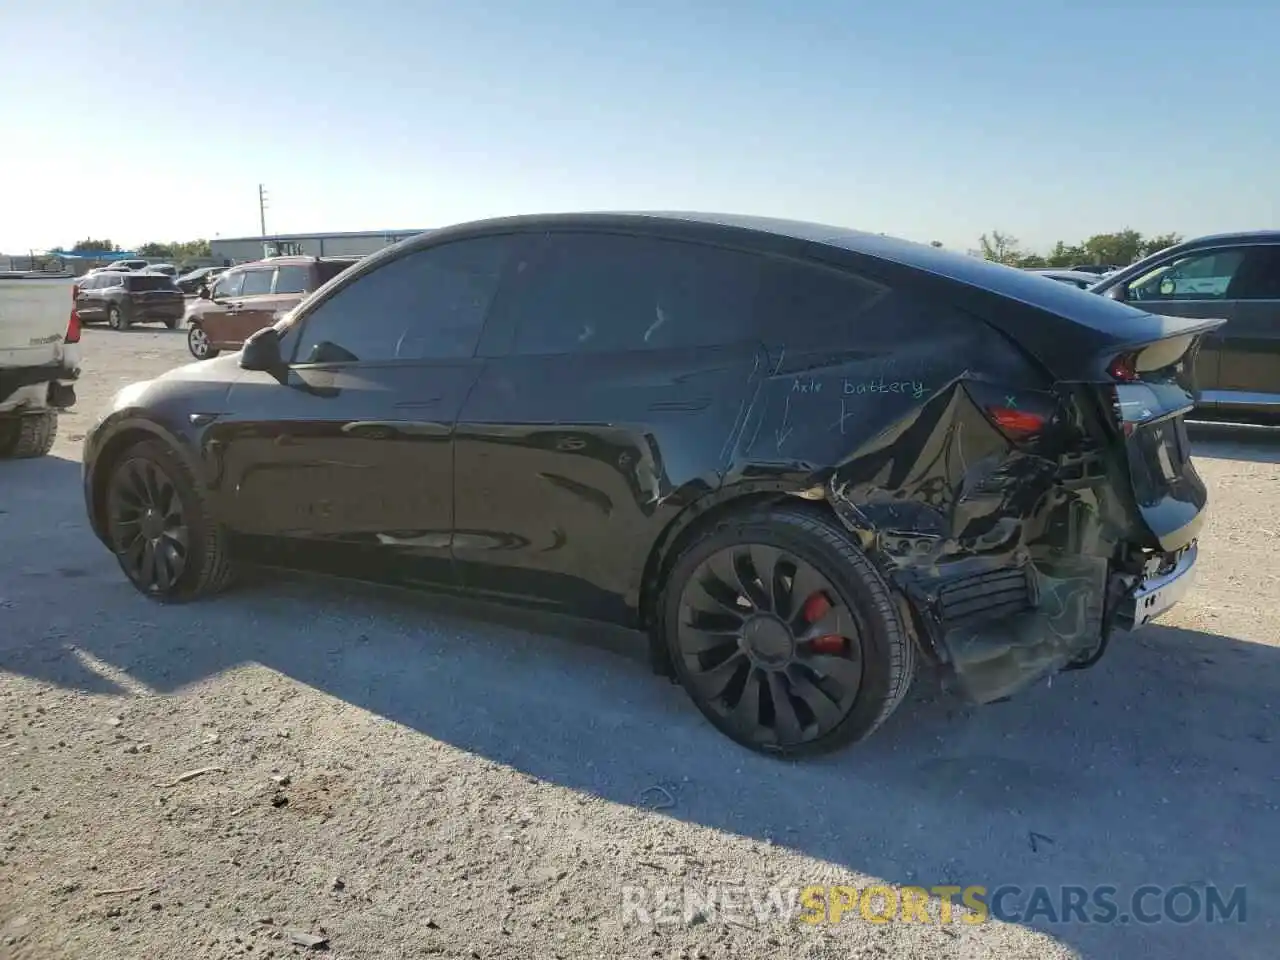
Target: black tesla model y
{"type": "Point", "coordinates": [801, 458]}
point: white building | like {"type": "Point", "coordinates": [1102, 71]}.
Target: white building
{"type": "Point", "coordinates": [357, 244]}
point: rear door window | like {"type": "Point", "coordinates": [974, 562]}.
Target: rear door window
{"type": "Point", "coordinates": [809, 302]}
{"type": "Point", "coordinates": [293, 279]}
{"type": "Point", "coordinates": [599, 293]}
{"type": "Point", "coordinates": [1258, 277]}
{"type": "Point", "coordinates": [257, 282]}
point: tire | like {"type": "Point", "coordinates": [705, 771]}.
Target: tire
{"type": "Point", "coordinates": [28, 436]}
{"type": "Point", "coordinates": [206, 566]}
{"type": "Point", "coordinates": [198, 342]}
{"type": "Point", "coordinates": [172, 324]}
{"type": "Point", "coordinates": [876, 656]}
{"type": "Point", "coordinates": [115, 319]}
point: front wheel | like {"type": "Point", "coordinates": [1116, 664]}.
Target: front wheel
{"type": "Point", "coordinates": [161, 527]}
{"type": "Point", "coordinates": [198, 343]}
{"type": "Point", "coordinates": [116, 320]}
{"type": "Point", "coordinates": [784, 634]}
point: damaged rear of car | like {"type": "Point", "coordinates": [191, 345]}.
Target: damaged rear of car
{"type": "Point", "coordinates": [1009, 455]}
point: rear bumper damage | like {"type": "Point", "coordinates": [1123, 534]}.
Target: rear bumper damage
{"type": "Point", "coordinates": [1016, 562]}
{"type": "Point", "coordinates": [1153, 595]}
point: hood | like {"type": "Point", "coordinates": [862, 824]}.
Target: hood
{"type": "Point", "coordinates": [201, 385]}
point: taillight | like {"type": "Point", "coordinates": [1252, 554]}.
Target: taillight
{"type": "Point", "coordinates": [1124, 368]}
{"type": "Point", "coordinates": [1017, 424]}
{"type": "Point", "coordinates": [73, 322]}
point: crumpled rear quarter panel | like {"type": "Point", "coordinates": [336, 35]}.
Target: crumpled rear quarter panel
{"type": "Point", "coordinates": [1002, 553]}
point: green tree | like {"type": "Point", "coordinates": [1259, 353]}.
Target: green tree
{"type": "Point", "coordinates": [90, 244]}
{"type": "Point", "coordinates": [178, 250]}
{"type": "Point", "coordinates": [1000, 247]}
{"type": "Point", "coordinates": [1159, 242]}
{"type": "Point", "coordinates": [155, 250]}
{"type": "Point", "coordinates": [1121, 248]}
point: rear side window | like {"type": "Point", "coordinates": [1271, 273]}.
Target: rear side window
{"type": "Point", "coordinates": [1259, 275]}
{"type": "Point", "coordinates": [293, 279]}
{"type": "Point", "coordinates": [426, 305]}
{"type": "Point", "coordinates": [145, 281]}
{"type": "Point", "coordinates": [256, 282]}
{"type": "Point", "coordinates": [597, 293]}
{"type": "Point", "coordinates": [328, 269]}
{"type": "Point", "coordinates": [806, 301]}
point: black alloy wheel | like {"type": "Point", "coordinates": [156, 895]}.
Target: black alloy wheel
{"type": "Point", "coordinates": [149, 529]}
{"type": "Point", "coordinates": [785, 635]}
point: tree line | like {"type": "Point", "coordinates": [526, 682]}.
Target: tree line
{"type": "Point", "coordinates": [173, 250]}
{"type": "Point", "coordinates": [1114, 249]}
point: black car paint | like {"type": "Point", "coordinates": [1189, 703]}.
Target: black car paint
{"type": "Point", "coordinates": [1007, 555]}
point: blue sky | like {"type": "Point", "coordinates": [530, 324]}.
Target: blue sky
{"type": "Point", "coordinates": [1046, 120]}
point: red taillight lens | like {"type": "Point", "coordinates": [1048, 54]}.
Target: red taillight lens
{"type": "Point", "coordinates": [1124, 368]}
{"type": "Point", "coordinates": [73, 322]}
{"type": "Point", "coordinates": [1017, 424]}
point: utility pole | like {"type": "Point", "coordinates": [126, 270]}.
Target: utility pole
{"type": "Point", "coordinates": [262, 209]}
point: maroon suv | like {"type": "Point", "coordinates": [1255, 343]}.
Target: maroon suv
{"type": "Point", "coordinates": [254, 295]}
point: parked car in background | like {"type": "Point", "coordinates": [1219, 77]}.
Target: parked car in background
{"type": "Point", "coordinates": [1095, 268]}
{"type": "Point", "coordinates": [801, 457]}
{"type": "Point", "coordinates": [39, 361]}
{"type": "Point", "coordinates": [1233, 276]}
{"type": "Point", "coordinates": [123, 299]}
{"type": "Point", "coordinates": [1074, 277]}
{"type": "Point", "coordinates": [246, 298]}
{"type": "Point", "coordinates": [168, 269]}
{"type": "Point", "coordinates": [119, 265]}
{"type": "Point", "coordinates": [191, 282]}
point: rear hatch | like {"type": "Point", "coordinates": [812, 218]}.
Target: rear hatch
{"type": "Point", "coordinates": [152, 290]}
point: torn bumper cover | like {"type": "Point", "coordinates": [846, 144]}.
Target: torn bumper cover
{"type": "Point", "coordinates": [1018, 559]}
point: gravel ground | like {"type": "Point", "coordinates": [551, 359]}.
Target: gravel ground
{"type": "Point", "coordinates": [409, 778]}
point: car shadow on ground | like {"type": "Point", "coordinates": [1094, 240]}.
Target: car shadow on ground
{"type": "Point", "coordinates": [1156, 767]}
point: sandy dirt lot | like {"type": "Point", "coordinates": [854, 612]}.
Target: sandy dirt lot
{"type": "Point", "coordinates": [406, 778]}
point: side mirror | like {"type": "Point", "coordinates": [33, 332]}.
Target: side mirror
{"type": "Point", "coordinates": [206, 292]}
{"type": "Point", "coordinates": [1118, 292]}
{"type": "Point", "coordinates": [262, 352]}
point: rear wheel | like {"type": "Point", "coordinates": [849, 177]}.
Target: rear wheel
{"type": "Point", "coordinates": [198, 342]}
{"type": "Point", "coordinates": [161, 527]}
{"type": "Point", "coordinates": [115, 319]}
{"type": "Point", "coordinates": [28, 436]}
{"type": "Point", "coordinates": [172, 323]}
{"type": "Point", "coordinates": [784, 634]}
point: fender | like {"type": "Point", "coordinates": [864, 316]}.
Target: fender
{"type": "Point", "coordinates": [113, 435]}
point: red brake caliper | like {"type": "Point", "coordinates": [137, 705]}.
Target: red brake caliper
{"type": "Point", "coordinates": [814, 609]}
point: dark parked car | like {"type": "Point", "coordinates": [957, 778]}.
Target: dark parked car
{"type": "Point", "coordinates": [192, 281]}
{"type": "Point", "coordinates": [123, 299]}
{"type": "Point", "coordinates": [1234, 276]}
{"type": "Point", "coordinates": [251, 296]}
{"type": "Point", "coordinates": [800, 457]}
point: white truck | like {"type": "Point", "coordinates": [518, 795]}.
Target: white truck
{"type": "Point", "coordinates": [39, 360]}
